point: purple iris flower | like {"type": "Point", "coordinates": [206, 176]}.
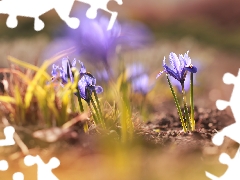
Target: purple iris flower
{"type": "Point", "coordinates": [98, 44]}
{"type": "Point", "coordinates": [137, 75]}
{"type": "Point", "coordinates": [87, 82]}
{"type": "Point", "coordinates": [180, 66]}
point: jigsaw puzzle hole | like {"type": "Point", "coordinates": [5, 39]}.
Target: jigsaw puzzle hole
{"type": "Point", "coordinates": [18, 176]}
{"type": "Point", "coordinates": [12, 22]}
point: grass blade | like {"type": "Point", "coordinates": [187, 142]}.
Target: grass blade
{"type": "Point", "coordinates": [7, 99]}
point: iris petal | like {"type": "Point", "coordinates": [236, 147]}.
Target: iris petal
{"type": "Point", "coordinates": [187, 59]}
{"type": "Point", "coordinates": [192, 69]}
{"type": "Point", "coordinates": [54, 70]}
{"type": "Point", "coordinates": [172, 73]}
{"type": "Point", "coordinates": [83, 69]}
{"type": "Point", "coordinates": [98, 89]}
{"type": "Point", "coordinates": [160, 73]}
{"type": "Point", "coordinates": [174, 61]}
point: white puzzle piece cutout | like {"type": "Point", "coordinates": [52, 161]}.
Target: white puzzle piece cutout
{"type": "Point", "coordinates": [101, 4]}
{"type": "Point", "coordinates": [232, 173]}
{"type": "Point", "coordinates": [36, 8]}
{"type": "Point", "coordinates": [18, 176]}
{"type": "Point", "coordinates": [44, 171]}
{"type": "Point", "coordinates": [3, 165]}
{"type": "Point", "coordinates": [9, 133]}
{"type": "Point", "coordinates": [232, 131]}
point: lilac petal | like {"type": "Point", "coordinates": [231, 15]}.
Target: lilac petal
{"type": "Point", "coordinates": [191, 69]}
{"type": "Point", "coordinates": [187, 59]}
{"type": "Point", "coordinates": [164, 61]}
{"type": "Point", "coordinates": [63, 75]}
{"type": "Point", "coordinates": [54, 70]}
{"type": "Point", "coordinates": [90, 79]}
{"type": "Point", "coordinates": [98, 89]}
{"type": "Point", "coordinates": [174, 61]}
{"type": "Point", "coordinates": [172, 73]}
{"type": "Point", "coordinates": [141, 84]}
{"type": "Point", "coordinates": [187, 84]}
{"type": "Point", "coordinates": [160, 73]}
{"type": "Point", "coordinates": [83, 69]}
{"type": "Point", "coordinates": [176, 83]}
{"type": "Point", "coordinates": [65, 65]}
{"type": "Point", "coordinates": [182, 61]}
{"type": "Point", "coordinates": [183, 74]}
{"type": "Point", "coordinates": [74, 62]}
{"type": "Point", "coordinates": [82, 87]}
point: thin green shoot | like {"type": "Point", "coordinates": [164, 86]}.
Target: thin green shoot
{"type": "Point", "coordinates": [99, 109]}
{"type": "Point", "coordinates": [191, 102]}
{"type": "Point", "coordinates": [177, 104]}
{"type": "Point", "coordinates": [80, 101]}
{"type": "Point", "coordinates": [185, 108]}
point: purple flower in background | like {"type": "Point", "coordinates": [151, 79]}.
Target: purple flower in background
{"type": "Point", "coordinates": [102, 75]}
{"type": "Point", "coordinates": [93, 41]}
{"type": "Point", "coordinates": [141, 84]}
{"type": "Point", "coordinates": [180, 67]}
{"type": "Point", "coordinates": [137, 75]}
{"type": "Point", "coordinates": [87, 82]}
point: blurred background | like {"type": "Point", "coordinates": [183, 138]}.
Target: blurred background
{"type": "Point", "coordinates": [208, 29]}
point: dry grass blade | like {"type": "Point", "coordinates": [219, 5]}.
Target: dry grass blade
{"type": "Point", "coordinates": [7, 99]}
{"type": "Point", "coordinates": [27, 65]}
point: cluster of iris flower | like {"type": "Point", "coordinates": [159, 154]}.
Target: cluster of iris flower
{"type": "Point", "coordinates": [86, 86]}
{"type": "Point", "coordinates": [181, 66]}
{"type": "Point", "coordinates": [86, 83]}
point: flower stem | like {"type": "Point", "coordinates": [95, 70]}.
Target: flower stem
{"type": "Point", "coordinates": [191, 103]}
{"type": "Point", "coordinates": [80, 101]}
{"type": "Point", "coordinates": [95, 109]}
{"type": "Point", "coordinates": [99, 109]}
{"type": "Point", "coordinates": [185, 108]}
{"type": "Point", "coordinates": [177, 105]}
{"type": "Point", "coordinates": [93, 114]}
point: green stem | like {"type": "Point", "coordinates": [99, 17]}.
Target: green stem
{"type": "Point", "coordinates": [186, 108]}
{"type": "Point", "coordinates": [93, 114]}
{"type": "Point", "coordinates": [94, 106]}
{"type": "Point", "coordinates": [177, 104]}
{"type": "Point", "coordinates": [80, 101]}
{"type": "Point", "coordinates": [99, 109]}
{"type": "Point", "coordinates": [191, 103]}
{"type": "Point", "coordinates": [73, 103]}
